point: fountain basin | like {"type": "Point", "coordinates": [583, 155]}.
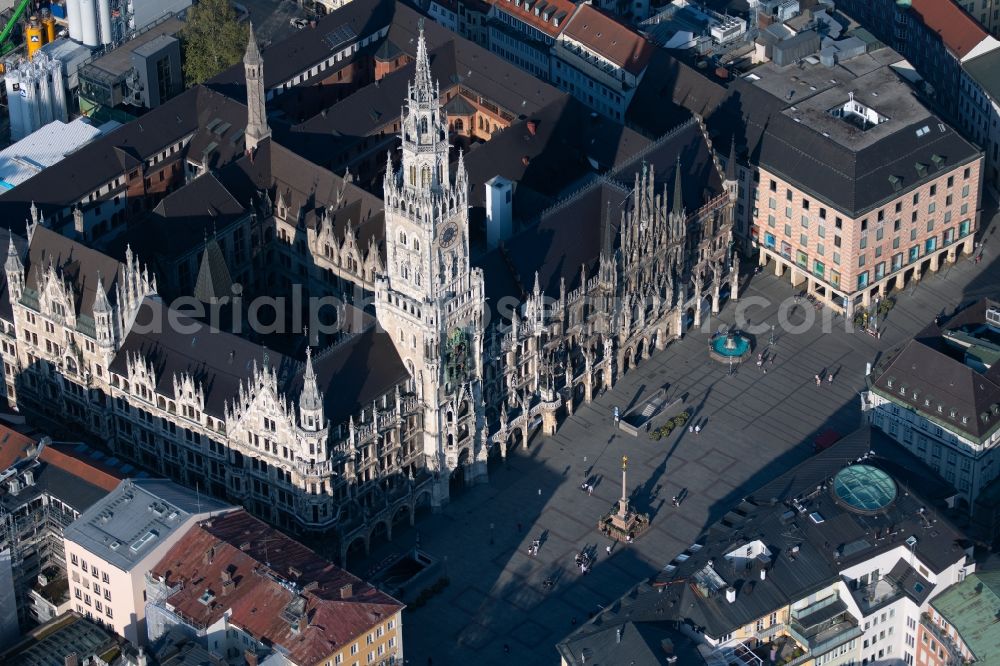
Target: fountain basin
{"type": "Point", "coordinates": [732, 347]}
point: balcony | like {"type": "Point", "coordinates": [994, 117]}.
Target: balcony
{"type": "Point", "coordinates": [954, 656]}
{"type": "Point", "coordinates": [822, 626]}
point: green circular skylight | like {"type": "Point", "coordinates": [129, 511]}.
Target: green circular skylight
{"type": "Point", "coordinates": [864, 488]}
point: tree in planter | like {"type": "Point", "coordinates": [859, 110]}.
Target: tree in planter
{"type": "Point", "coordinates": [213, 40]}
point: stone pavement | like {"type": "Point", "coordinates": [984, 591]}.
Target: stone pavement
{"type": "Point", "coordinates": [755, 426]}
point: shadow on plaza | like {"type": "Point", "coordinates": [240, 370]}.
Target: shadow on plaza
{"type": "Point", "coordinates": [845, 420]}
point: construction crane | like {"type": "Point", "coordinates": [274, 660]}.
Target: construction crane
{"type": "Point", "coordinates": [6, 44]}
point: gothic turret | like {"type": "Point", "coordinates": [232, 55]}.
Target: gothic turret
{"type": "Point", "coordinates": [678, 203]}
{"type": "Point", "coordinates": [253, 65]}
{"type": "Point", "coordinates": [15, 272]}
{"type": "Point", "coordinates": [103, 318]}
{"type": "Point", "coordinates": [310, 402]}
{"type": "Point", "coordinates": [730, 183]}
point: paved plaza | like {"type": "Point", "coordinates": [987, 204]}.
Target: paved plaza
{"type": "Point", "coordinates": [754, 427]}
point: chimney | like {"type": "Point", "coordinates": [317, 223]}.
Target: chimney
{"type": "Point", "coordinates": [730, 594]}
{"type": "Point", "coordinates": [250, 657]}
{"type": "Point", "coordinates": [346, 591]}
{"type": "Point", "coordinates": [78, 224]}
{"type": "Point", "coordinates": [532, 127]}
{"type": "Point", "coordinates": [525, 160]}
{"type": "Point", "coordinates": [72, 659]}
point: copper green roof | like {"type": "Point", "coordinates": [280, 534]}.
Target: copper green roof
{"type": "Point", "coordinates": [971, 607]}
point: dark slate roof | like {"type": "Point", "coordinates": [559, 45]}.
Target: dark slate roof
{"type": "Point", "coordinates": [568, 235]}
{"type": "Point", "coordinates": [181, 222]}
{"type": "Point", "coordinates": [218, 361]}
{"type": "Point", "coordinates": [841, 539]}
{"type": "Point", "coordinates": [317, 192]}
{"type": "Point", "coordinates": [566, 239]}
{"type": "Point", "coordinates": [569, 144]}
{"type": "Point", "coordinates": [114, 154]}
{"type": "Point", "coordinates": [667, 78]}
{"type": "Point", "coordinates": [853, 181]}
{"type": "Point", "coordinates": [354, 374]}
{"type": "Point", "coordinates": [928, 367]}
{"type": "Point", "coordinates": [305, 48]}
{"type": "Point", "coordinates": [617, 642]}
{"type": "Point", "coordinates": [78, 265]}
{"type": "Point", "coordinates": [985, 70]}
{"type": "Point", "coordinates": [214, 280]}
{"type": "Point", "coordinates": [454, 61]}
{"type": "Point", "coordinates": [910, 582]}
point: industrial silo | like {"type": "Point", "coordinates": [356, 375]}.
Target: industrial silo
{"type": "Point", "coordinates": [59, 109]}
{"type": "Point", "coordinates": [74, 20]}
{"type": "Point", "coordinates": [48, 25]}
{"type": "Point", "coordinates": [44, 79]}
{"type": "Point", "coordinates": [104, 20]}
{"type": "Point", "coordinates": [88, 23]}
{"type": "Point", "coordinates": [33, 36]}
{"type": "Point", "coordinates": [15, 102]}
{"type": "Point", "coordinates": [35, 94]}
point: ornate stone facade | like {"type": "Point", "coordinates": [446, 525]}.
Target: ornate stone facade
{"type": "Point", "coordinates": [405, 405]}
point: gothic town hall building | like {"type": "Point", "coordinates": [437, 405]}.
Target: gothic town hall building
{"type": "Point", "coordinates": [456, 355]}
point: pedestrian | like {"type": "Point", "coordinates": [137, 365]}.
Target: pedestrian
{"type": "Point", "coordinates": [819, 382]}
{"type": "Point", "coordinates": [518, 526]}
{"type": "Point", "coordinates": [506, 649]}
{"type": "Point", "coordinates": [697, 429]}
{"type": "Point", "coordinates": [539, 492]}
{"type": "Point", "coordinates": [691, 428]}
{"type": "Point", "coordinates": [590, 489]}
{"type": "Point", "coordinates": [572, 621]}
{"type": "Point", "coordinates": [608, 548]}
{"type": "Point", "coordinates": [829, 378]}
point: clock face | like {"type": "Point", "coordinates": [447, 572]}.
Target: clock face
{"type": "Point", "coordinates": [449, 235]}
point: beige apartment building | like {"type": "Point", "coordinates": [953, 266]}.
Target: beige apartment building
{"type": "Point", "coordinates": [853, 187]}
{"type": "Point", "coordinates": [112, 545]}
{"type": "Point", "coordinates": [844, 258]}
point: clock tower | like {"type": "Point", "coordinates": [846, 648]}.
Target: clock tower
{"type": "Point", "coordinates": [430, 299]}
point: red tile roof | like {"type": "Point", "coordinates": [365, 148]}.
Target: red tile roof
{"type": "Point", "coordinates": [337, 606]}
{"type": "Point", "coordinates": [605, 36]}
{"type": "Point", "coordinates": [533, 12]}
{"type": "Point", "coordinates": [13, 446]}
{"type": "Point", "coordinates": [65, 458]}
{"type": "Point", "coordinates": [959, 31]}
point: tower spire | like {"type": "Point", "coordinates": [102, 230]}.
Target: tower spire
{"type": "Point", "coordinates": [310, 399]}
{"type": "Point", "coordinates": [731, 163]}
{"type": "Point", "coordinates": [678, 189]}
{"type": "Point", "coordinates": [252, 55]}
{"type": "Point", "coordinates": [422, 82]}
{"type": "Point", "coordinates": [253, 66]}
